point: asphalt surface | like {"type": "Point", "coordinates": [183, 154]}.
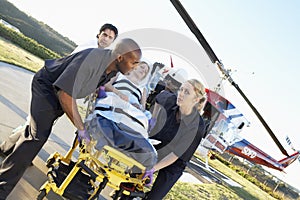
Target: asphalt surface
{"type": "Point", "coordinates": [15, 92]}
{"type": "Point", "coordinates": [14, 106]}
{"type": "Point", "coordinates": [211, 175]}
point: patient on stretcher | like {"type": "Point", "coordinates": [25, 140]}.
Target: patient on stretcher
{"type": "Point", "coordinates": [120, 120]}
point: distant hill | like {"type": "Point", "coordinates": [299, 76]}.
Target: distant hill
{"type": "Point", "coordinates": [36, 30]}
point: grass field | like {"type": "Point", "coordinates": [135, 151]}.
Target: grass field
{"type": "Point", "coordinates": [13, 54]}
{"type": "Point", "coordinates": [184, 191]}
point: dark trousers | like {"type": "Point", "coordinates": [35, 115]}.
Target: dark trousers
{"type": "Point", "coordinates": [165, 180]}
{"type": "Point", "coordinates": [44, 110]}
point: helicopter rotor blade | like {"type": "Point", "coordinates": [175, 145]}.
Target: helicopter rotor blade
{"type": "Point", "coordinates": [194, 29]}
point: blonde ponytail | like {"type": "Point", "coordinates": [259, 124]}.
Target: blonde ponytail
{"type": "Point", "coordinates": [200, 92]}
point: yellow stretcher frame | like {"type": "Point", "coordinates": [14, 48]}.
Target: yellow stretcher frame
{"type": "Point", "coordinates": [105, 174]}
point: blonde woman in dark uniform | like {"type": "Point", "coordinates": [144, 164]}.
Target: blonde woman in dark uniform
{"type": "Point", "coordinates": [179, 129]}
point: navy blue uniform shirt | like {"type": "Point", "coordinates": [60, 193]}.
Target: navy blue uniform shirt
{"type": "Point", "coordinates": [183, 136]}
{"type": "Point", "coordinates": [81, 73]}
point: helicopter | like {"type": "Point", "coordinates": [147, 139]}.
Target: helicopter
{"type": "Point", "coordinates": [223, 134]}
{"type": "Point", "coordinates": [225, 121]}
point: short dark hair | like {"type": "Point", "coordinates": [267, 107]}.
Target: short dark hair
{"type": "Point", "coordinates": [111, 27]}
{"type": "Point", "coordinates": [127, 45]}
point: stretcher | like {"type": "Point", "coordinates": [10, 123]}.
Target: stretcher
{"type": "Point", "coordinates": [93, 170]}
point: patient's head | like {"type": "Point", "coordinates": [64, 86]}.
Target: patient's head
{"type": "Point", "coordinates": [139, 73]}
{"type": "Point", "coordinates": [142, 70]}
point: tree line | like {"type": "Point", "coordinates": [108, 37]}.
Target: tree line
{"type": "Point", "coordinates": [33, 29]}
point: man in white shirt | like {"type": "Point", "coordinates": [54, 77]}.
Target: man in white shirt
{"type": "Point", "coordinates": [107, 34]}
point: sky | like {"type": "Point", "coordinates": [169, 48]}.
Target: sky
{"type": "Point", "coordinates": [257, 40]}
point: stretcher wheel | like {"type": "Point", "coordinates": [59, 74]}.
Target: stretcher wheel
{"type": "Point", "coordinates": [50, 162]}
{"type": "Point", "coordinates": [41, 195]}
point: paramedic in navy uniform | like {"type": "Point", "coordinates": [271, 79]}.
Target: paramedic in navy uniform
{"type": "Point", "coordinates": [55, 89]}
{"type": "Point", "coordinates": [107, 34]}
{"type": "Point", "coordinates": [180, 134]}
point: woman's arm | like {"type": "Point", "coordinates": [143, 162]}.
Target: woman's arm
{"type": "Point", "coordinates": [110, 88]}
{"type": "Point", "coordinates": [156, 109]}
{"type": "Point", "coordinates": [166, 161]}
{"type": "Point", "coordinates": [144, 98]}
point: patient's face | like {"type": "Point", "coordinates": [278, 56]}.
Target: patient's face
{"type": "Point", "coordinates": [141, 71]}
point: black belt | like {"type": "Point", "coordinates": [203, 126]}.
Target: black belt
{"type": "Point", "coordinates": [121, 111]}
